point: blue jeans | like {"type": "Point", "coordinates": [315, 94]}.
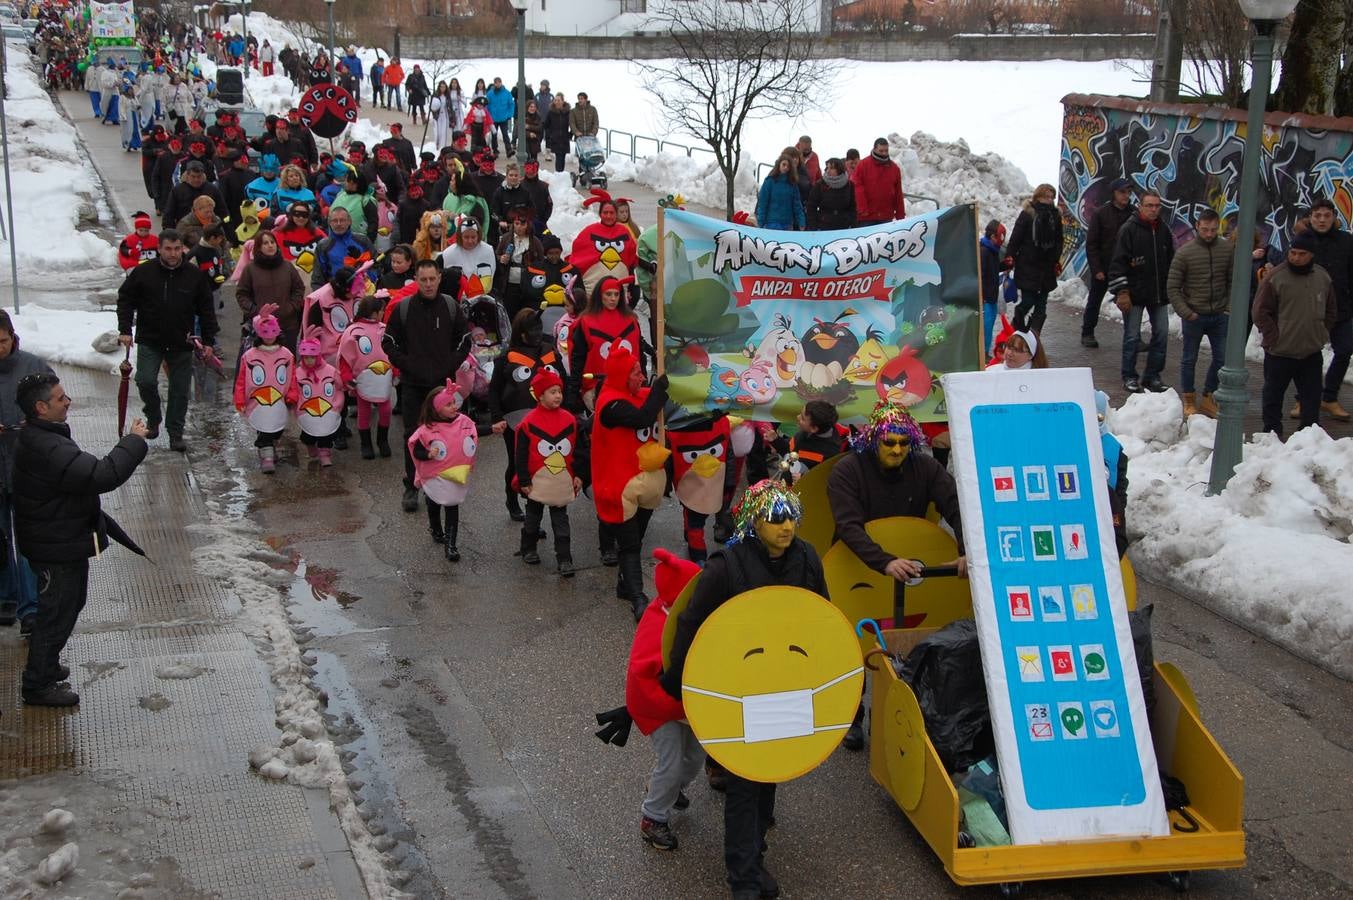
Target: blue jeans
{"type": "Point", "coordinates": [988, 324]}
{"type": "Point", "coordinates": [1132, 337]}
{"type": "Point", "coordinates": [18, 584]}
{"type": "Point", "coordinates": [1213, 326]}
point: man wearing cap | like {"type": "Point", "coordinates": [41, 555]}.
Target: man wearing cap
{"type": "Point", "coordinates": [193, 185]}
{"type": "Point", "coordinates": [543, 97]}
{"type": "Point", "coordinates": [878, 187]}
{"type": "Point", "coordinates": [402, 147]}
{"type": "Point", "coordinates": [1294, 311]}
{"type": "Point", "coordinates": [426, 339]}
{"type": "Point", "coordinates": [1100, 236]}
{"type": "Point", "coordinates": [890, 473]}
{"type": "Point", "coordinates": [163, 300]}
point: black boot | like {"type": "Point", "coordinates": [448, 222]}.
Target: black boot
{"type": "Point", "coordinates": [435, 524]}
{"type": "Point", "coordinates": [383, 440]}
{"type": "Point", "coordinates": [341, 435]}
{"type": "Point", "coordinates": [632, 582]}
{"type": "Point", "coordinates": [368, 452]}
{"type": "Point", "coordinates": [452, 554]}
{"type": "Point", "coordinates": [514, 507]}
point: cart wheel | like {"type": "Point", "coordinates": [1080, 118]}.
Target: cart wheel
{"type": "Point", "coordinates": [1011, 888]}
{"type": "Point", "coordinates": [1180, 882]}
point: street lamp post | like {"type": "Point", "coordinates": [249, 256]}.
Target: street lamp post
{"type": "Point", "coordinates": [244, 21]}
{"type": "Point", "coordinates": [520, 7]}
{"type": "Point", "coordinates": [1228, 446]}
{"type": "Point", "coordinates": [330, 4]}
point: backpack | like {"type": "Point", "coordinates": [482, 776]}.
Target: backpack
{"type": "Point", "coordinates": [1046, 220]}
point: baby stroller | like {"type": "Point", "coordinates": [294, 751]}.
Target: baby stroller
{"type": "Point", "coordinates": [490, 331]}
{"type": "Point", "coordinates": [591, 157]}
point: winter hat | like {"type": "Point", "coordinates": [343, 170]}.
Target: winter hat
{"type": "Point", "coordinates": [266, 325]}
{"type": "Point", "coordinates": [545, 379]}
{"type": "Point", "coordinates": [308, 347]}
{"type": "Point", "coordinates": [531, 167]}
{"type": "Point", "coordinates": [1304, 241]}
{"type": "Point", "coordinates": [1120, 184]}
{"type": "Point", "coordinates": [551, 242]}
{"type": "Point", "coordinates": [142, 220]}
{"type": "Point", "coordinates": [671, 575]}
{"type": "Point", "coordinates": [269, 163]}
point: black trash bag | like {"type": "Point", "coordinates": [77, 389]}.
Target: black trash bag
{"type": "Point", "coordinates": [1140, 622]}
{"type": "Point", "coordinates": [945, 672]}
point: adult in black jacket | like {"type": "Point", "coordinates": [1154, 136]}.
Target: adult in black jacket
{"type": "Point", "coordinates": [511, 194]}
{"type": "Point", "coordinates": [558, 135]}
{"type": "Point", "coordinates": [59, 524]}
{"type": "Point", "coordinates": [402, 147]}
{"type": "Point", "coordinates": [427, 339]}
{"type": "Point", "coordinates": [192, 185]}
{"type": "Point", "coordinates": [831, 202]}
{"type": "Point", "coordinates": [1036, 250]}
{"type": "Point", "coordinates": [510, 398]}
{"type": "Point", "coordinates": [1137, 276]}
{"type": "Point", "coordinates": [764, 552]}
{"type": "Point", "coordinates": [165, 299]}
{"type": "Point", "coordinates": [1334, 253]}
{"type": "Point", "coordinates": [232, 185]}
{"type": "Point", "coordinates": [539, 192]}
{"type": "Point", "coordinates": [1100, 237]}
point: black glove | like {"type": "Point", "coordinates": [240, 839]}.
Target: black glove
{"type": "Point", "coordinates": [615, 726]}
{"type": "Point", "coordinates": [660, 384]}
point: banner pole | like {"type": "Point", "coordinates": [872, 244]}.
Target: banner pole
{"type": "Point", "coordinates": [659, 339]}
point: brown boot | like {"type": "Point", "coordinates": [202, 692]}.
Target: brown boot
{"type": "Point", "coordinates": [1333, 409]}
{"type": "Point", "coordinates": [1208, 406]}
{"type": "Point", "coordinates": [1190, 404]}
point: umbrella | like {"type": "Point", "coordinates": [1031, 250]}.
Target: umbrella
{"type": "Point", "coordinates": [212, 361]}
{"type": "Point", "coordinates": [124, 388]}
{"type": "Point", "coordinates": [115, 533]}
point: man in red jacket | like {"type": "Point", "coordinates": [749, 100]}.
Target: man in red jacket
{"type": "Point", "coordinates": [878, 187]}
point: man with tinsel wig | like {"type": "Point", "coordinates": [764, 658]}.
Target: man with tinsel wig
{"type": "Point", "coordinates": [763, 551]}
{"type": "Point", "coordinates": [890, 473]}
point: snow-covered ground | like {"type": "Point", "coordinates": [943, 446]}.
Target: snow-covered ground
{"type": "Point", "coordinates": [1272, 551]}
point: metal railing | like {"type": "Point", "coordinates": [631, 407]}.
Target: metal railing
{"type": "Point", "coordinates": [626, 144]}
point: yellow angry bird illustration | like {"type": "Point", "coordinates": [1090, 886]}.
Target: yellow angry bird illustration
{"type": "Point", "coordinates": [772, 681]}
{"type": "Point", "coordinates": [864, 366]}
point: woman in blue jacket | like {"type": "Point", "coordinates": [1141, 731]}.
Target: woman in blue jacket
{"type": "Point", "coordinates": [779, 204]}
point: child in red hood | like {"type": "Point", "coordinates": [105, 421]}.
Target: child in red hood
{"type": "Point", "coordinates": [139, 246]}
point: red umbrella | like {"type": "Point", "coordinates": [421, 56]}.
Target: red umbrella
{"type": "Point", "coordinates": [123, 389]}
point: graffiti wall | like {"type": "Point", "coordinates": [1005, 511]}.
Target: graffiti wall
{"type": "Point", "coordinates": [1191, 156]}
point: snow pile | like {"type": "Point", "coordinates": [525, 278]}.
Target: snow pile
{"type": "Point", "coordinates": [56, 190]}
{"type": "Point", "coordinates": [951, 174]}
{"type": "Point", "coordinates": [1247, 552]}
{"type": "Point", "coordinates": [235, 555]}
{"type": "Point", "coordinates": [697, 179]}
{"type": "Point", "coordinates": [67, 335]}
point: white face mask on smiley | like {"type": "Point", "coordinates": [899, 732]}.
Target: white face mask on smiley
{"type": "Point", "coordinates": [773, 717]}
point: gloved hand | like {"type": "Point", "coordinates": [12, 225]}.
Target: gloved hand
{"type": "Point", "coordinates": [615, 726]}
{"type": "Point", "coordinates": [660, 383]}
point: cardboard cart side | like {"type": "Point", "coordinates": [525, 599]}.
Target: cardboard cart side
{"type": "Point", "coordinates": [903, 760]}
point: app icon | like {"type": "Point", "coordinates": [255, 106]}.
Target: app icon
{"type": "Point", "coordinates": [1063, 666]}
{"type": "Point", "coordinates": [1104, 717]}
{"type": "Point", "coordinates": [1030, 663]}
{"type": "Point", "coordinates": [1073, 542]}
{"type": "Point", "coordinates": [1072, 717]}
{"type": "Point", "coordinates": [1068, 483]}
{"type": "Point", "coordinates": [1003, 483]}
{"type": "Point", "coordinates": [1035, 483]}
{"type": "Point", "coordinates": [1094, 663]}
{"type": "Point", "coordinates": [1021, 605]}
{"type": "Point", "coordinates": [1039, 722]}
{"type": "Point", "coordinates": [1044, 542]}
{"type": "Point", "coordinates": [1051, 604]}
{"type": "Point", "coordinates": [1083, 601]}
{"type": "Point", "coordinates": [1010, 539]}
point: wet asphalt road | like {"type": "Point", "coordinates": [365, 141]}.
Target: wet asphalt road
{"type": "Point", "coordinates": [465, 692]}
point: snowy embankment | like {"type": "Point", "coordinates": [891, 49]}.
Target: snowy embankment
{"type": "Point", "coordinates": [1271, 552]}
{"type": "Point", "coordinates": [56, 191]}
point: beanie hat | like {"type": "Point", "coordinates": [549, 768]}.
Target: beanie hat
{"type": "Point", "coordinates": [142, 220]}
{"type": "Point", "coordinates": [550, 242]}
{"type": "Point", "coordinates": [1304, 241]}
{"type": "Point", "coordinates": [671, 575]}
{"type": "Point", "coordinates": [545, 379]}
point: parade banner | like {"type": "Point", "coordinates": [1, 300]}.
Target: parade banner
{"type": "Point", "coordinates": [112, 23]}
{"type": "Point", "coordinates": [1072, 735]}
{"type": "Point", "coordinates": [756, 322]}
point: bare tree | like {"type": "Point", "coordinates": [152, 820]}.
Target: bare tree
{"type": "Point", "coordinates": [736, 62]}
{"type": "Point", "coordinates": [1311, 60]}
{"type": "Point", "coordinates": [1216, 44]}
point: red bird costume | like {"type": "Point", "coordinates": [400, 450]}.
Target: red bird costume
{"type": "Point", "coordinates": [603, 248]}
{"type": "Point", "coordinates": [627, 464]}
{"type": "Point", "coordinates": [546, 441]}
{"type": "Point", "coordinates": [649, 705]}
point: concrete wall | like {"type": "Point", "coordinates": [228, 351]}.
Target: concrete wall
{"type": "Point", "coordinates": [1023, 48]}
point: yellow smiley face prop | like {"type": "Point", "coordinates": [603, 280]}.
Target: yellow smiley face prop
{"type": "Point", "coordinates": [817, 527]}
{"type": "Point", "coordinates": [772, 682]}
{"type": "Point", "coordinates": [862, 593]}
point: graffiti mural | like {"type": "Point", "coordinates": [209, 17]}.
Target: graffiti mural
{"type": "Point", "coordinates": [1191, 156]}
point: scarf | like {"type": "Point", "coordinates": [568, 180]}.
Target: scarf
{"type": "Point", "coordinates": [268, 262]}
{"type": "Point", "coordinates": [835, 182]}
{"type": "Point", "coordinates": [881, 157]}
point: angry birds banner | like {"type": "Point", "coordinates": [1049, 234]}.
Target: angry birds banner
{"type": "Point", "coordinates": [757, 322]}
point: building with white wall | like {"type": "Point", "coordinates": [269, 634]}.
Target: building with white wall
{"type": "Point", "coordinates": [618, 18]}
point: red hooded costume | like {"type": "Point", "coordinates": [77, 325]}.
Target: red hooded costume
{"type": "Point", "coordinates": [649, 705]}
{"type": "Point", "coordinates": [627, 463]}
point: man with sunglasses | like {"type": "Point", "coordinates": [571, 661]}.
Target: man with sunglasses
{"type": "Point", "coordinates": [890, 473]}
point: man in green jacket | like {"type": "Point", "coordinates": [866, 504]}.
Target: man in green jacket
{"type": "Point", "coordinates": [1294, 311]}
{"type": "Point", "coordinates": [1199, 288]}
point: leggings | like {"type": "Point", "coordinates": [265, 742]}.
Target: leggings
{"type": "Point", "coordinates": [435, 513]}
{"type": "Point", "coordinates": [324, 443]}
{"type": "Point", "coordinates": [364, 410]}
{"type": "Point", "coordinates": [266, 438]}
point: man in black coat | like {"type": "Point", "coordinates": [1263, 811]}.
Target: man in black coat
{"type": "Point", "coordinates": [193, 184]}
{"type": "Point", "coordinates": [232, 185]}
{"type": "Point", "coordinates": [1137, 274]}
{"type": "Point", "coordinates": [427, 338]}
{"type": "Point", "coordinates": [59, 524]}
{"type": "Point", "coordinates": [765, 551]}
{"type": "Point", "coordinates": [165, 300]}
{"type": "Point", "coordinates": [402, 147]}
{"type": "Point", "coordinates": [1100, 238]}
{"type": "Point", "coordinates": [1334, 254]}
